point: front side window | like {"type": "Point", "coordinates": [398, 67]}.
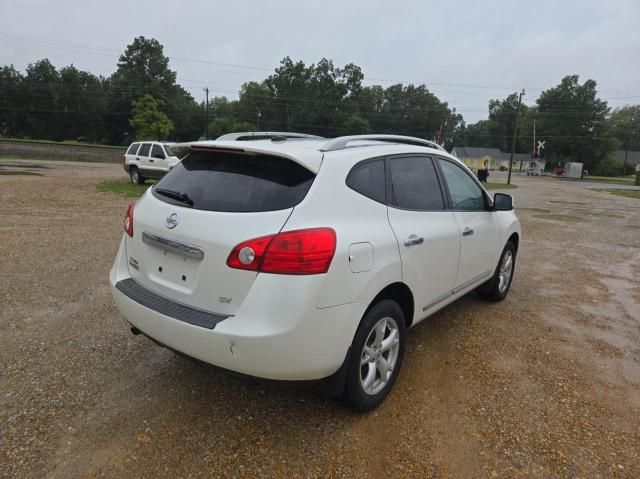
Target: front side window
{"type": "Point", "coordinates": [368, 179]}
{"type": "Point", "coordinates": [465, 193]}
{"type": "Point", "coordinates": [144, 149]}
{"type": "Point", "coordinates": [414, 184]}
{"type": "Point", "coordinates": [156, 152]}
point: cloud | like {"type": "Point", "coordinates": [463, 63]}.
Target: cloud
{"type": "Point", "coordinates": [467, 53]}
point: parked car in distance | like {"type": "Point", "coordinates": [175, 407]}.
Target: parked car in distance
{"type": "Point", "coordinates": [148, 159]}
{"type": "Point", "coordinates": [558, 170]}
{"type": "Point", "coordinates": [309, 259]}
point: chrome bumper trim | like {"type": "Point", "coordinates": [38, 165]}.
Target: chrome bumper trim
{"type": "Point", "coordinates": [177, 247]}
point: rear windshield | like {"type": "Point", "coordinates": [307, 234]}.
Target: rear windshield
{"type": "Point", "coordinates": [236, 183]}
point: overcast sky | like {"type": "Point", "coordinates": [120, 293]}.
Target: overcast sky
{"type": "Point", "coordinates": [465, 53]}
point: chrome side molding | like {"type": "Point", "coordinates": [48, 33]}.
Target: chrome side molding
{"type": "Point", "coordinates": [177, 247]}
{"type": "Point", "coordinates": [481, 277]}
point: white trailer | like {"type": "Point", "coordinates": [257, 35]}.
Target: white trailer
{"type": "Point", "coordinates": [535, 167]}
{"type": "Point", "coordinates": [573, 170]}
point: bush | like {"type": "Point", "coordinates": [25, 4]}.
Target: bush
{"type": "Point", "coordinates": [221, 126]}
{"type": "Point", "coordinates": [612, 167]}
{"type": "Point", "coordinates": [354, 125]}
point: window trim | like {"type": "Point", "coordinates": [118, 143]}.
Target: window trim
{"type": "Point", "coordinates": [445, 202]}
{"type": "Point", "coordinates": [488, 203]}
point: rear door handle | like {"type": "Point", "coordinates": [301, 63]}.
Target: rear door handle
{"type": "Point", "coordinates": [467, 231]}
{"type": "Point", "coordinates": [151, 161]}
{"type": "Point", "coordinates": [413, 240]}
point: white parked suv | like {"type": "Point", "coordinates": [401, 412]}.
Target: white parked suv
{"type": "Point", "coordinates": [308, 259]}
{"type": "Point", "coordinates": [148, 159]}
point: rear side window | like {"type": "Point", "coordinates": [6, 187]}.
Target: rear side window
{"type": "Point", "coordinates": [133, 148]}
{"type": "Point", "coordinates": [237, 183]}
{"type": "Point", "coordinates": [414, 184]}
{"type": "Point", "coordinates": [144, 149]}
{"type": "Point", "coordinates": [167, 148]}
{"type": "Point", "coordinates": [368, 179]}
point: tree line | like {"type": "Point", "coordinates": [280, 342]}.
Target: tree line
{"type": "Point", "coordinates": [142, 100]}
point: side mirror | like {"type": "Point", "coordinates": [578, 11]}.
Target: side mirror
{"type": "Point", "coordinates": [502, 202]}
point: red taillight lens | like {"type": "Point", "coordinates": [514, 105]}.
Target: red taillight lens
{"type": "Point", "coordinates": [128, 220]}
{"type": "Point", "coordinates": [300, 252]}
{"type": "Point", "coordinates": [248, 255]}
{"type": "Point", "coordinates": [293, 252]}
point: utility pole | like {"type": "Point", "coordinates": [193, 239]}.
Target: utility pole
{"type": "Point", "coordinates": [533, 151]}
{"type": "Point", "coordinates": [626, 152]}
{"type": "Point", "coordinates": [439, 132]}
{"type": "Point", "coordinates": [515, 135]}
{"type": "Point", "coordinates": [206, 115]}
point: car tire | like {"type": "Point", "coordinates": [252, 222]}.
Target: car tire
{"type": "Point", "coordinates": [136, 177]}
{"type": "Point", "coordinates": [365, 387]}
{"type": "Point", "coordinates": [497, 288]}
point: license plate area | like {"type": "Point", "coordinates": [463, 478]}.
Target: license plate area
{"type": "Point", "coordinates": [171, 270]}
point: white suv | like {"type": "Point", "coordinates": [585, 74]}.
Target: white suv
{"type": "Point", "coordinates": [308, 259]}
{"type": "Point", "coordinates": [148, 159]}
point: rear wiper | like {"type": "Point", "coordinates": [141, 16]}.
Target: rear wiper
{"type": "Point", "coordinates": [175, 195]}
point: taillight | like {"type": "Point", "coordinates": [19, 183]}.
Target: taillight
{"type": "Point", "coordinates": [128, 220]}
{"type": "Point", "coordinates": [248, 255]}
{"type": "Point", "coordinates": [307, 251]}
{"type": "Point", "coordinates": [124, 158]}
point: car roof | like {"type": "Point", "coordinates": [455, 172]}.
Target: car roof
{"type": "Point", "coordinates": [308, 153]}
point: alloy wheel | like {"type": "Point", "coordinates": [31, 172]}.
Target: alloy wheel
{"type": "Point", "coordinates": [506, 270]}
{"type": "Point", "coordinates": [379, 356]}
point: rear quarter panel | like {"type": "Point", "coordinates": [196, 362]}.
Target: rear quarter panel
{"type": "Point", "coordinates": [356, 219]}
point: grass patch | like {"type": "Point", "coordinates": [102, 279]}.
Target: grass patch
{"type": "Point", "coordinates": [65, 142]}
{"type": "Point", "coordinates": [499, 186]}
{"type": "Point", "coordinates": [40, 158]}
{"type": "Point", "coordinates": [18, 173]}
{"type": "Point", "coordinates": [625, 193]}
{"type": "Point", "coordinates": [615, 180]}
{"type": "Point", "coordinates": [535, 210]}
{"type": "Point", "coordinates": [555, 217]}
{"type": "Point", "coordinates": [123, 188]}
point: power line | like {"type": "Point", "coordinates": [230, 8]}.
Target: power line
{"type": "Point", "coordinates": [60, 44]}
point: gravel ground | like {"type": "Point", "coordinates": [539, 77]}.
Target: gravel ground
{"type": "Point", "coordinates": [543, 384]}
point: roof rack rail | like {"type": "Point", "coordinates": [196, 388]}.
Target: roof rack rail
{"type": "Point", "coordinates": [265, 135]}
{"type": "Point", "coordinates": [343, 141]}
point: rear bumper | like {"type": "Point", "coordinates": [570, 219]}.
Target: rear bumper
{"type": "Point", "coordinates": [266, 338]}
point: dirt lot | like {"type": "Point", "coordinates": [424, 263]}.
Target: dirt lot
{"type": "Point", "coordinates": [544, 384]}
